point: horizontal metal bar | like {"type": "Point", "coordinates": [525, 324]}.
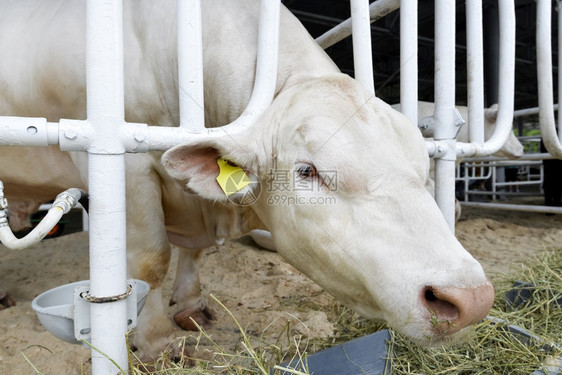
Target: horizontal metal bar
{"type": "Point", "coordinates": [503, 193]}
{"type": "Point", "coordinates": [27, 131]}
{"type": "Point", "coordinates": [377, 10]}
{"type": "Point", "coordinates": [502, 163]}
{"type": "Point", "coordinates": [541, 156]}
{"type": "Point", "coordinates": [530, 111]}
{"type": "Point", "coordinates": [514, 207]}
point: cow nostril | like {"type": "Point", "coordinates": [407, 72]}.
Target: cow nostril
{"type": "Point", "coordinates": [429, 295]}
{"type": "Point", "coordinates": [450, 309]}
{"type": "Point", "coordinates": [444, 312]}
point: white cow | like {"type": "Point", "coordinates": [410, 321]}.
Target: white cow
{"type": "Point", "coordinates": [381, 246]}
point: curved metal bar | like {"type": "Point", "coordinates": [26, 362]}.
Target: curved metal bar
{"type": "Point", "coordinates": [266, 69]}
{"type": "Point", "coordinates": [362, 48]}
{"type": "Point", "coordinates": [409, 59]}
{"type": "Point", "coordinates": [544, 77]}
{"type": "Point", "coordinates": [506, 87]}
{"type": "Point", "coordinates": [377, 10]}
{"type": "Point", "coordinates": [475, 66]}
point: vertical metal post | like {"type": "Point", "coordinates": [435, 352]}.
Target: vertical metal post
{"type": "Point", "coordinates": [475, 73]}
{"type": "Point", "coordinates": [544, 68]}
{"type": "Point", "coordinates": [559, 9]}
{"type": "Point", "coordinates": [361, 37]}
{"type": "Point", "coordinates": [409, 59]}
{"type": "Point", "coordinates": [444, 108]}
{"type": "Point", "coordinates": [106, 172]}
{"type": "Point", "coordinates": [190, 65]}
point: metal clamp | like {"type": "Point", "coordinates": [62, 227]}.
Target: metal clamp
{"type": "Point", "coordinates": [82, 300]}
{"type": "Point", "coordinates": [86, 295]}
{"type": "Point", "coordinates": [427, 125]}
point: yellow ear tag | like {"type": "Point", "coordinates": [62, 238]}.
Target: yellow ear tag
{"type": "Point", "coordinates": [231, 178]}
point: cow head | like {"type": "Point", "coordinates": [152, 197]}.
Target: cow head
{"type": "Point", "coordinates": [342, 180]}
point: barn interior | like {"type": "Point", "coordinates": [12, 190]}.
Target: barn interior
{"type": "Point", "coordinates": [318, 16]}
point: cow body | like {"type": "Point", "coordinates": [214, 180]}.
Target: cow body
{"type": "Point", "coordinates": [382, 247]}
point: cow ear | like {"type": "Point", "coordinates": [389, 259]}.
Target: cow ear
{"type": "Point", "coordinates": [200, 164]}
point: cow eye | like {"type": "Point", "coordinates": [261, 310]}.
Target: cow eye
{"type": "Point", "coordinates": [306, 170]}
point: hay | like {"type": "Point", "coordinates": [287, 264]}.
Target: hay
{"type": "Point", "coordinates": [254, 355]}
{"type": "Point", "coordinates": [492, 347]}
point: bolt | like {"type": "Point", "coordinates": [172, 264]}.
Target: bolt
{"type": "Point", "coordinates": [70, 134]}
{"type": "Point", "coordinates": [139, 137]}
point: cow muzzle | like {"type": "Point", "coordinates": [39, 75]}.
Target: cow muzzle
{"type": "Point", "coordinates": [451, 309]}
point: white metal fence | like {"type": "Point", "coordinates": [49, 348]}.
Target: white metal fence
{"type": "Point", "coordinates": [484, 187]}
{"type": "Point", "coordinates": [105, 118]}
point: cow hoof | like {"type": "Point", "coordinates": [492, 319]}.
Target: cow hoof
{"type": "Point", "coordinates": [190, 319]}
{"type": "Point", "coordinates": [6, 301]}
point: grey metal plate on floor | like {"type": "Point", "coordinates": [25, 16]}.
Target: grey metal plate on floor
{"type": "Point", "coordinates": [363, 356]}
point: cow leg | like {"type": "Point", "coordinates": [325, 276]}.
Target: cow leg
{"type": "Point", "coordinates": [154, 331]}
{"type": "Point", "coordinates": [148, 255]}
{"type": "Point", "coordinates": [193, 310]}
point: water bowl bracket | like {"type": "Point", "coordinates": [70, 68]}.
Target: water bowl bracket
{"type": "Point", "coordinates": [82, 326]}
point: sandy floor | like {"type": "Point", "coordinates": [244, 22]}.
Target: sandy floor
{"type": "Point", "coordinates": [257, 286]}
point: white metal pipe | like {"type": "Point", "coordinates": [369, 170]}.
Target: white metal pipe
{"type": "Point", "coordinates": [107, 261]}
{"type": "Point", "coordinates": [559, 9]}
{"type": "Point", "coordinates": [106, 178]}
{"type": "Point", "coordinates": [445, 183]}
{"type": "Point", "coordinates": [445, 130]}
{"type": "Point", "coordinates": [409, 59]}
{"type": "Point", "coordinates": [266, 70]}
{"type": "Point", "coordinates": [377, 10]}
{"type": "Point", "coordinates": [435, 149]}
{"type": "Point", "coordinates": [526, 157]}
{"type": "Point", "coordinates": [444, 70]}
{"type": "Point", "coordinates": [506, 87]}
{"type": "Point", "coordinates": [267, 59]}
{"type": "Point", "coordinates": [76, 135]}
{"type": "Point", "coordinates": [514, 207]}
{"type": "Point", "coordinates": [104, 56]}
{"type": "Point", "coordinates": [104, 74]}
{"type": "Point", "coordinates": [544, 77]}
{"type": "Point", "coordinates": [163, 137]}
{"type": "Point", "coordinates": [27, 131]}
{"type": "Point", "coordinates": [530, 111]}
{"type": "Point", "coordinates": [190, 65]}
{"type": "Point", "coordinates": [362, 48]}
{"type": "Point", "coordinates": [475, 68]}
